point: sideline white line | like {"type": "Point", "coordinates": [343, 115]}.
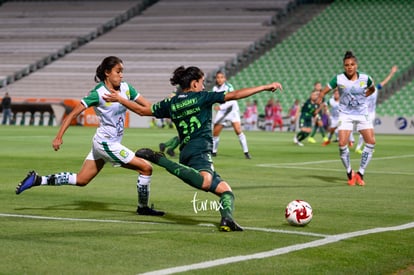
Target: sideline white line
{"type": "Point", "coordinates": [279, 251]}
{"type": "Point", "coordinates": [332, 170]}
{"type": "Point", "coordinates": [333, 160]}
{"type": "Point", "coordinates": [269, 230]}
{"type": "Point", "coordinates": [295, 165]}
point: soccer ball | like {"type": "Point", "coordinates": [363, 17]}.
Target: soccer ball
{"type": "Point", "coordinates": [298, 212]}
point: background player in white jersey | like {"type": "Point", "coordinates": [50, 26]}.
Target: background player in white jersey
{"type": "Point", "coordinates": [354, 88]}
{"type": "Point", "coordinates": [227, 111]}
{"type": "Point", "coordinates": [106, 143]}
{"type": "Point", "coordinates": [333, 104]}
{"type": "Point", "coordinates": [372, 104]}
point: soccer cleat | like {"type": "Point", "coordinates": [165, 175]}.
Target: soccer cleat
{"type": "Point", "coordinates": [149, 154]}
{"type": "Point", "coordinates": [162, 147]}
{"type": "Point", "coordinates": [351, 178]}
{"type": "Point", "coordinates": [358, 150]}
{"type": "Point", "coordinates": [325, 139]}
{"type": "Point", "coordinates": [325, 143]}
{"type": "Point", "coordinates": [311, 140]}
{"type": "Point", "coordinates": [247, 155]}
{"type": "Point", "coordinates": [32, 179]}
{"type": "Point", "coordinates": [149, 211]}
{"type": "Point", "coordinates": [228, 225]}
{"type": "Point", "coordinates": [359, 178]}
{"type": "Point", "coordinates": [214, 154]}
{"type": "Point", "coordinates": [170, 152]}
{"type": "Point", "coordinates": [296, 141]}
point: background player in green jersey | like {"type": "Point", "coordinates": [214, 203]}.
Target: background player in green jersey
{"type": "Point", "coordinates": [106, 145]}
{"type": "Point", "coordinates": [308, 111]}
{"type": "Point", "coordinates": [191, 112]}
{"type": "Point", "coordinates": [317, 120]}
{"type": "Point", "coordinates": [170, 145]}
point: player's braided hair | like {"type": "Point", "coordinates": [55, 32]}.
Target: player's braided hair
{"type": "Point", "coordinates": [107, 64]}
{"type": "Point", "coordinates": [349, 55]}
{"type": "Point", "coordinates": [183, 76]}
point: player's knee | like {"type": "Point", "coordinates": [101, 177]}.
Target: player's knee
{"type": "Point", "coordinates": [146, 169]}
{"type": "Point", "coordinates": [81, 182]}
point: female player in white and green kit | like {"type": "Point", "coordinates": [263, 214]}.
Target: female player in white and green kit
{"type": "Point", "coordinates": [106, 143]}
{"type": "Point", "coordinates": [354, 87]}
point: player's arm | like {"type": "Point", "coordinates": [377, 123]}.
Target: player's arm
{"type": "Point", "coordinates": [316, 112]}
{"type": "Point", "coordinates": [322, 94]}
{"type": "Point", "coordinates": [140, 106]}
{"type": "Point", "coordinates": [246, 92]}
{"type": "Point", "coordinates": [57, 141]}
{"type": "Point", "coordinates": [394, 69]}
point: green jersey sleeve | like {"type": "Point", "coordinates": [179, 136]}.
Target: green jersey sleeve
{"type": "Point", "coordinates": [133, 93]}
{"type": "Point", "coordinates": [92, 99]}
{"type": "Point", "coordinates": [333, 83]}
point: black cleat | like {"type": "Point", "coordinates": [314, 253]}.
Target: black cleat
{"type": "Point", "coordinates": [149, 154]}
{"type": "Point", "coordinates": [170, 152]}
{"type": "Point", "coordinates": [214, 154]}
{"type": "Point", "coordinates": [32, 179]}
{"type": "Point", "coordinates": [147, 211]}
{"type": "Point", "coordinates": [247, 155]}
{"type": "Point", "coordinates": [162, 147]}
{"type": "Point", "coordinates": [228, 225]}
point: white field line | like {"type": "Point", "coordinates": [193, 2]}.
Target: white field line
{"type": "Point", "coordinates": [278, 251]}
{"type": "Point", "coordinates": [268, 230]}
{"type": "Point", "coordinates": [326, 239]}
{"type": "Point", "coordinates": [300, 165]}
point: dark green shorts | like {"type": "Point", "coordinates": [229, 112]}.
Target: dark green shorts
{"type": "Point", "coordinates": [305, 122]}
{"type": "Point", "coordinates": [199, 158]}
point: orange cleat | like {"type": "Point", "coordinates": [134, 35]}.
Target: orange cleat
{"type": "Point", "coordinates": [359, 178]}
{"type": "Point", "coordinates": [326, 143]}
{"type": "Point", "coordinates": [351, 178]}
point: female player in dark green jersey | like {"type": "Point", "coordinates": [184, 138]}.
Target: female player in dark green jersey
{"type": "Point", "coordinates": [191, 112]}
{"type": "Point", "coordinates": [308, 111]}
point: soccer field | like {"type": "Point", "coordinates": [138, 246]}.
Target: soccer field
{"type": "Point", "coordinates": [94, 229]}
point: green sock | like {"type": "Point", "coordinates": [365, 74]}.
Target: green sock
{"type": "Point", "coordinates": [187, 174]}
{"type": "Point", "coordinates": [169, 142]}
{"type": "Point", "coordinates": [302, 135]}
{"type": "Point", "coordinates": [175, 141]}
{"type": "Point", "coordinates": [314, 128]}
{"type": "Point", "coordinates": [227, 202]}
{"type": "Point", "coordinates": [322, 131]}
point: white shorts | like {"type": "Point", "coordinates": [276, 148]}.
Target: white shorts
{"type": "Point", "coordinates": [221, 117]}
{"type": "Point", "coordinates": [113, 152]}
{"type": "Point", "coordinates": [334, 122]}
{"type": "Point", "coordinates": [347, 122]}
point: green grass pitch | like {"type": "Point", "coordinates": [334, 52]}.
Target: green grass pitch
{"type": "Point", "coordinates": [94, 229]}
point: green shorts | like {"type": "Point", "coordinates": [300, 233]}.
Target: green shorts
{"type": "Point", "coordinates": [198, 156]}
{"type": "Point", "coordinates": [305, 122]}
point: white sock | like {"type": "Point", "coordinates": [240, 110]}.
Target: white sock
{"type": "Point", "coordinates": [243, 142]}
{"type": "Point", "coordinates": [215, 144]}
{"type": "Point", "coordinates": [143, 189]}
{"type": "Point", "coordinates": [64, 178]}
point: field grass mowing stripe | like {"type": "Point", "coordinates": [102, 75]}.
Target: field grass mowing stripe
{"type": "Point", "coordinates": [279, 251]}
